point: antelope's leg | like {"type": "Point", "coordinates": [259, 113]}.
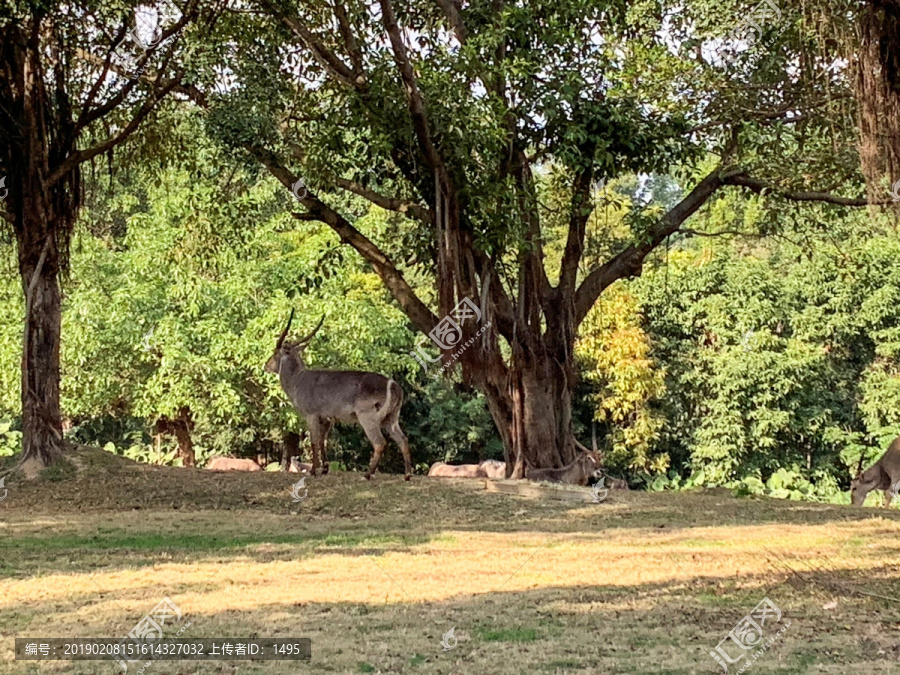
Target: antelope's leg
{"type": "Point", "coordinates": [372, 427]}
{"type": "Point", "coordinates": [316, 440]}
{"type": "Point", "coordinates": [328, 426]}
{"type": "Point", "coordinates": [888, 496]}
{"type": "Point", "coordinates": [395, 432]}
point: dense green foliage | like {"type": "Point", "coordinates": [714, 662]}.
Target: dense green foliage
{"type": "Point", "coordinates": [765, 366]}
{"type": "Point", "coordinates": [780, 358]}
{"type": "Point", "coordinates": [183, 278]}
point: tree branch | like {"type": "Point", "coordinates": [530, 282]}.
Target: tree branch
{"type": "Point", "coordinates": [388, 203]}
{"type": "Point", "coordinates": [414, 97]}
{"type": "Point", "coordinates": [629, 262]}
{"type": "Point", "coordinates": [721, 233]}
{"type": "Point", "coordinates": [760, 187]}
{"type": "Point", "coordinates": [350, 41]}
{"type": "Point", "coordinates": [393, 279]}
{"type": "Point", "coordinates": [81, 156]}
{"type": "Point", "coordinates": [579, 211]}
{"type": "Point", "coordinates": [450, 8]}
{"type": "Point", "coordinates": [104, 69]}
{"type": "Point", "coordinates": [417, 311]}
{"type": "Point", "coordinates": [90, 114]}
{"type": "Point", "coordinates": [326, 58]}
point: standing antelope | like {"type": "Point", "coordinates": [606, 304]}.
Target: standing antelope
{"type": "Point", "coordinates": [882, 475]}
{"type": "Point", "coordinates": [324, 397]}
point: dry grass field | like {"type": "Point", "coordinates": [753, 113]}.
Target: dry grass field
{"type": "Point", "coordinates": [375, 573]}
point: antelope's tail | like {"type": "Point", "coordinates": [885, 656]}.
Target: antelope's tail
{"type": "Point", "coordinates": [393, 401]}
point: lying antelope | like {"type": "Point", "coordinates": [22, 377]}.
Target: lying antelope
{"type": "Point", "coordinates": [232, 464]}
{"type": "Point", "coordinates": [616, 483]}
{"type": "Point", "coordinates": [882, 475]}
{"type": "Point", "coordinates": [324, 397]}
{"type": "Point", "coordinates": [494, 468]}
{"type": "Point", "coordinates": [443, 470]}
{"type": "Point", "coordinates": [585, 465]}
{"type": "Point", "coordinates": [296, 466]}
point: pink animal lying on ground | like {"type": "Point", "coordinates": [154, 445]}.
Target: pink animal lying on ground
{"type": "Point", "coordinates": [443, 470]}
{"type": "Point", "coordinates": [494, 468]}
{"type": "Point", "coordinates": [232, 464]}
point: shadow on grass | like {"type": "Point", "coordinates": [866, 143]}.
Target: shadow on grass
{"type": "Point", "coordinates": [450, 504]}
{"type": "Point", "coordinates": [640, 628]}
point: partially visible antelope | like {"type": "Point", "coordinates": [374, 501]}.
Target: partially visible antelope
{"type": "Point", "coordinates": [324, 397]}
{"type": "Point", "coordinates": [232, 464]}
{"type": "Point", "coordinates": [882, 475]}
{"type": "Point", "coordinates": [585, 465]}
{"type": "Point", "coordinates": [444, 470]}
{"type": "Point", "coordinates": [494, 468]}
{"type": "Point", "coordinates": [296, 466]}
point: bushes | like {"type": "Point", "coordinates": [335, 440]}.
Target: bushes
{"type": "Point", "coordinates": [780, 365]}
{"type": "Point", "coordinates": [10, 439]}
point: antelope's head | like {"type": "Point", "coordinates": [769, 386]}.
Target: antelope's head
{"type": "Point", "coordinates": [857, 496]}
{"type": "Point", "coordinates": [290, 350]}
{"type": "Point", "coordinates": [859, 488]}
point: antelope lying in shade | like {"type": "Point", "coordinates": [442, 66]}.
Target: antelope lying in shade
{"type": "Point", "coordinates": [442, 470]}
{"type": "Point", "coordinates": [324, 397]}
{"type": "Point", "coordinates": [232, 464]}
{"type": "Point", "coordinates": [882, 475]}
{"type": "Point", "coordinates": [616, 483]}
{"type": "Point", "coordinates": [578, 472]}
{"type": "Point", "coordinates": [494, 468]}
{"type": "Point", "coordinates": [297, 466]}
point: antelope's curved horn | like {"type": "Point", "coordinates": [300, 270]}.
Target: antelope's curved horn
{"type": "Point", "coordinates": [285, 331]}
{"type": "Point", "coordinates": [859, 468]}
{"type": "Point", "coordinates": [314, 331]}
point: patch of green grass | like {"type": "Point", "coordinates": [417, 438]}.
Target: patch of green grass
{"type": "Point", "coordinates": [118, 539]}
{"type": "Point", "coordinates": [732, 598]}
{"type": "Point", "coordinates": [364, 667]}
{"type": "Point", "coordinates": [350, 539]}
{"type": "Point", "coordinates": [508, 634]}
{"type": "Point", "coordinates": [704, 543]}
{"type": "Point", "coordinates": [445, 539]}
{"type": "Point", "coordinates": [804, 659]}
{"type": "Point", "coordinates": [565, 664]}
{"type": "Point", "coordinates": [417, 660]}
{"type": "Point", "coordinates": [105, 460]}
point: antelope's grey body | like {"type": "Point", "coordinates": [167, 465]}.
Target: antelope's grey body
{"type": "Point", "coordinates": [324, 397]}
{"type": "Point", "coordinates": [882, 475]}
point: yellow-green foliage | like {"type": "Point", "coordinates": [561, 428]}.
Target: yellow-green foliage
{"type": "Point", "coordinates": [614, 352]}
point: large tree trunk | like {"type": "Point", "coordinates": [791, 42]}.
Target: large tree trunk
{"type": "Point", "coordinates": [182, 427]}
{"type": "Point", "coordinates": [878, 92]}
{"type": "Point", "coordinates": [41, 417]}
{"type": "Point", "coordinates": [42, 211]}
{"type": "Point", "coordinates": [533, 411]}
{"type": "Point", "coordinates": [48, 100]}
